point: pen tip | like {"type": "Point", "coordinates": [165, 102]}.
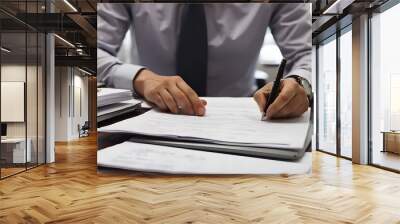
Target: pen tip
{"type": "Point", "coordinates": [264, 116]}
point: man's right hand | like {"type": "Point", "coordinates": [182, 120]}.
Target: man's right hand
{"type": "Point", "coordinates": [169, 93]}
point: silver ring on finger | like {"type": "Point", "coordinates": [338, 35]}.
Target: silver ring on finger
{"type": "Point", "coordinates": [180, 109]}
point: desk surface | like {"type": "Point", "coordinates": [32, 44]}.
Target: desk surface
{"type": "Point", "coordinates": [390, 132]}
{"type": "Point", "coordinates": [71, 190]}
{"type": "Point", "coordinates": [13, 140]}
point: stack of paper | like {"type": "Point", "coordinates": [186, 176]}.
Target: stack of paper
{"type": "Point", "coordinates": [108, 96]}
{"type": "Point", "coordinates": [163, 159]}
{"type": "Point", "coordinates": [113, 108]}
{"type": "Point", "coordinates": [231, 125]}
{"type": "Point", "coordinates": [116, 109]}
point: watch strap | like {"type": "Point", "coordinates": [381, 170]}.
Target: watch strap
{"type": "Point", "coordinates": [300, 80]}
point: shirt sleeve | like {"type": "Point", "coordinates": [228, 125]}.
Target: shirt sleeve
{"type": "Point", "coordinates": [291, 28]}
{"type": "Point", "coordinates": [113, 21]}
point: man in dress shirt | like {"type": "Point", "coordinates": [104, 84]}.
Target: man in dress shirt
{"type": "Point", "coordinates": [191, 50]}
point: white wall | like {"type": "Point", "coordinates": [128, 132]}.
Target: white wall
{"type": "Point", "coordinates": [61, 103]}
{"type": "Point", "coordinates": [81, 102]}
{"type": "Point", "coordinates": [71, 93]}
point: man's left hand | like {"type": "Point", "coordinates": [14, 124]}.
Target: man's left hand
{"type": "Point", "coordinates": [292, 100]}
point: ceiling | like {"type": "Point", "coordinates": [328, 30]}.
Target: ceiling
{"type": "Point", "coordinates": [72, 20]}
{"type": "Point", "coordinates": [331, 15]}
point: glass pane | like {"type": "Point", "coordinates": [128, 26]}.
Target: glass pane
{"type": "Point", "coordinates": [31, 98]}
{"type": "Point", "coordinates": [32, 87]}
{"type": "Point", "coordinates": [327, 97]}
{"type": "Point", "coordinates": [346, 94]}
{"type": "Point", "coordinates": [385, 83]}
{"type": "Point", "coordinates": [41, 99]}
{"type": "Point", "coordinates": [22, 63]}
{"type": "Point", "coordinates": [13, 87]}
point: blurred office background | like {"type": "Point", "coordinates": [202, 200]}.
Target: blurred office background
{"type": "Point", "coordinates": [48, 63]}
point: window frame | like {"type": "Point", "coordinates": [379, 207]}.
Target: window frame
{"type": "Point", "coordinates": [31, 30]}
{"type": "Point", "coordinates": [334, 37]}
{"type": "Point", "coordinates": [378, 10]}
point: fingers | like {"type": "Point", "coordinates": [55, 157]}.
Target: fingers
{"type": "Point", "coordinates": [197, 104]}
{"type": "Point", "coordinates": [182, 101]}
{"type": "Point", "coordinates": [292, 101]}
{"type": "Point", "coordinates": [296, 107]}
{"type": "Point", "coordinates": [160, 103]}
{"type": "Point", "coordinates": [288, 91]}
{"type": "Point", "coordinates": [261, 96]}
{"type": "Point", "coordinates": [155, 98]}
{"type": "Point", "coordinates": [169, 101]}
{"type": "Point", "coordinates": [261, 99]}
{"type": "Point", "coordinates": [174, 95]}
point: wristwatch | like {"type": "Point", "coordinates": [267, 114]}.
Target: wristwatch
{"type": "Point", "coordinates": [306, 85]}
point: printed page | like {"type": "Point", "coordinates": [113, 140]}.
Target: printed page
{"type": "Point", "coordinates": [230, 120]}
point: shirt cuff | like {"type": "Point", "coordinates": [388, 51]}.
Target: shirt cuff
{"type": "Point", "coordinates": [302, 73]}
{"type": "Point", "coordinates": [124, 74]}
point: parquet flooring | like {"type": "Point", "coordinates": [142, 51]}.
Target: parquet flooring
{"type": "Point", "coordinates": [10, 171]}
{"type": "Point", "coordinates": [73, 191]}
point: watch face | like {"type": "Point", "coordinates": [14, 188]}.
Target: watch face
{"type": "Point", "coordinates": [306, 85]}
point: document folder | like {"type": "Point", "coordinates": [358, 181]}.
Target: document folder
{"type": "Point", "coordinates": [231, 125]}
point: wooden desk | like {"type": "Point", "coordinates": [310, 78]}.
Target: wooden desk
{"type": "Point", "coordinates": [13, 150]}
{"type": "Point", "coordinates": [391, 141]}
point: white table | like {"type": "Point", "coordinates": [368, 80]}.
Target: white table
{"type": "Point", "coordinates": [18, 144]}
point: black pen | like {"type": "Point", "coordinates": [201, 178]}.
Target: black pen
{"type": "Point", "coordinates": [275, 88]}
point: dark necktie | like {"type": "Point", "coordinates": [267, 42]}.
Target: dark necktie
{"type": "Point", "coordinates": [192, 48]}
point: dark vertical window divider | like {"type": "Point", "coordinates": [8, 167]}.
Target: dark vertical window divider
{"type": "Point", "coordinates": [316, 97]}
{"type": "Point", "coordinates": [26, 87]}
{"type": "Point", "coordinates": [46, 3]}
{"type": "Point", "coordinates": [369, 89]}
{"type": "Point", "coordinates": [338, 74]}
{"type": "Point", "coordinates": [37, 91]}
{"type": "Point", "coordinates": [1, 161]}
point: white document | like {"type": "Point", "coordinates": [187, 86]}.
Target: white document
{"type": "Point", "coordinates": [227, 120]}
{"type": "Point", "coordinates": [107, 96]}
{"type": "Point", "coordinates": [163, 159]}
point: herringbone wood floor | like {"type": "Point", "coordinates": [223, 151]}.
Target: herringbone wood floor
{"type": "Point", "coordinates": [72, 191]}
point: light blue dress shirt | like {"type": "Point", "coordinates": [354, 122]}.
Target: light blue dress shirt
{"type": "Point", "coordinates": [235, 36]}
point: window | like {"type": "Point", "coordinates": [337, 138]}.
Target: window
{"type": "Point", "coordinates": [346, 93]}
{"type": "Point", "coordinates": [15, 146]}
{"type": "Point", "coordinates": [22, 78]}
{"type": "Point", "coordinates": [327, 96]}
{"type": "Point", "coordinates": [385, 89]}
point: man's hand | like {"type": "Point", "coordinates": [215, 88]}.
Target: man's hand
{"type": "Point", "coordinates": [169, 93]}
{"type": "Point", "coordinates": [292, 100]}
